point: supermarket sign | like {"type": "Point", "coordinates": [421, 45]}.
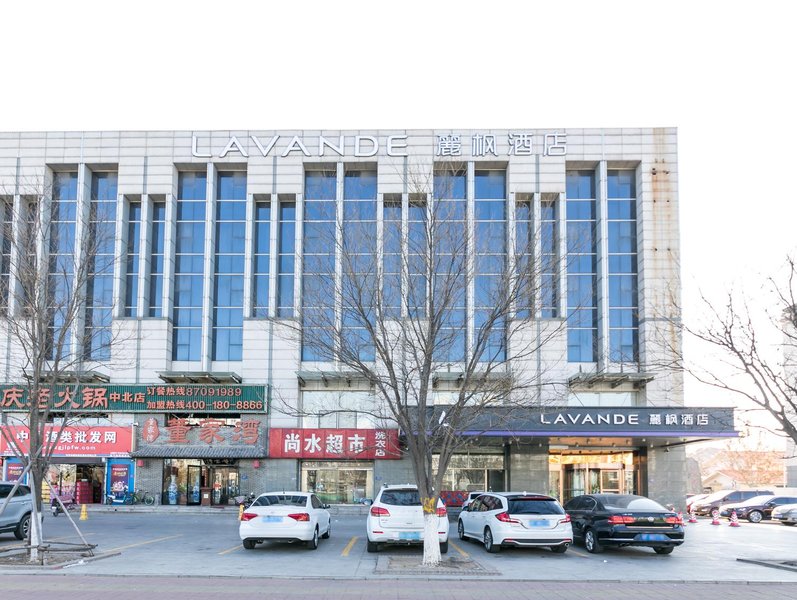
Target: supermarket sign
{"type": "Point", "coordinates": [72, 441]}
{"type": "Point", "coordinates": [331, 444]}
{"type": "Point", "coordinates": [140, 398]}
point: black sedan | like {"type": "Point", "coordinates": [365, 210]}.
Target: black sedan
{"type": "Point", "coordinates": [602, 520]}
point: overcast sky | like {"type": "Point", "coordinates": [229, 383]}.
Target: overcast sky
{"type": "Point", "coordinates": [722, 73]}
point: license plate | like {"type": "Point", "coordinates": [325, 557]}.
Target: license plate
{"type": "Point", "coordinates": [652, 537]}
{"type": "Point", "coordinates": [538, 523]}
{"type": "Point", "coordinates": [272, 519]}
{"type": "Point", "coordinates": [410, 535]}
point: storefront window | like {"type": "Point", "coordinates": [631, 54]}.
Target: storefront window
{"type": "Point", "coordinates": [184, 480]}
{"type": "Point", "coordinates": [473, 472]}
{"type": "Point", "coordinates": [339, 482]}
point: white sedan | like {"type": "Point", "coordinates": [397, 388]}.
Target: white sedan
{"type": "Point", "coordinates": [786, 514]}
{"type": "Point", "coordinates": [516, 519]}
{"type": "Point", "coordinates": [285, 517]}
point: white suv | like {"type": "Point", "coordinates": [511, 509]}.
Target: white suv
{"type": "Point", "coordinates": [516, 519]}
{"type": "Point", "coordinates": [396, 517]}
{"type": "Point", "coordinates": [16, 517]}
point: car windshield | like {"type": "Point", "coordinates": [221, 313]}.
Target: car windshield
{"type": "Point", "coordinates": [631, 503]}
{"type": "Point", "coordinates": [401, 497]}
{"type": "Point", "coordinates": [533, 506]}
{"type": "Point", "coordinates": [280, 500]}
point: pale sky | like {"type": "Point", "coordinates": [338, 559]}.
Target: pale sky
{"type": "Point", "coordinates": [722, 73]}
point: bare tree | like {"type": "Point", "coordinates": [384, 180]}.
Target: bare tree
{"type": "Point", "coordinates": [56, 269]}
{"type": "Point", "coordinates": [757, 349]}
{"type": "Point", "coordinates": [434, 311]}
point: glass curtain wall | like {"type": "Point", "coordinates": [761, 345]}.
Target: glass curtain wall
{"type": "Point", "coordinates": [228, 293]}
{"type": "Point", "coordinates": [61, 261]}
{"type": "Point", "coordinates": [582, 276]}
{"type": "Point", "coordinates": [189, 265]}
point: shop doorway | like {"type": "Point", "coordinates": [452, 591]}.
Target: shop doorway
{"type": "Point", "coordinates": [339, 482]}
{"type": "Point", "coordinates": [573, 475]}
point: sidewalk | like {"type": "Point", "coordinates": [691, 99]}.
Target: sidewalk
{"type": "Point", "coordinates": [335, 509]}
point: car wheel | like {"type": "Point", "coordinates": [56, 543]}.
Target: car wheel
{"type": "Point", "coordinates": [489, 544]}
{"type": "Point", "coordinates": [249, 544]}
{"type": "Point", "coordinates": [23, 527]}
{"type": "Point", "coordinates": [461, 531]}
{"type": "Point", "coordinates": [664, 549]}
{"type": "Point", "coordinates": [313, 543]}
{"type": "Point", "coordinates": [591, 542]}
{"type": "Point", "coordinates": [372, 546]}
{"type": "Point", "coordinates": [715, 513]}
{"type": "Point", "coordinates": [755, 516]}
{"type": "Point", "coordinates": [328, 532]}
{"type": "Point", "coordinates": [444, 547]}
{"type": "Point", "coordinates": [560, 549]}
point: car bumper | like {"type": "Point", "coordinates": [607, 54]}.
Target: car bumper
{"type": "Point", "coordinates": [402, 537]}
{"type": "Point", "coordinates": [652, 538]}
{"type": "Point", "coordinates": [301, 532]}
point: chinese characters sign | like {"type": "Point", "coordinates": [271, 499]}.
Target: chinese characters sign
{"type": "Point", "coordinates": [142, 398]}
{"type": "Point", "coordinates": [334, 443]}
{"type": "Point", "coordinates": [515, 144]}
{"type": "Point", "coordinates": [207, 432]}
{"type": "Point", "coordinates": [74, 441]}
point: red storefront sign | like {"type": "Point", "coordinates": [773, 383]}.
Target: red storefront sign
{"type": "Point", "coordinates": [73, 441]}
{"type": "Point", "coordinates": [333, 444]}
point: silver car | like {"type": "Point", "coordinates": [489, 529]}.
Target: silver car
{"type": "Point", "coordinates": [786, 514]}
{"type": "Point", "coordinates": [16, 517]}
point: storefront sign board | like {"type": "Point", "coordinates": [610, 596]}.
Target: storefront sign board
{"type": "Point", "coordinates": [332, 444]}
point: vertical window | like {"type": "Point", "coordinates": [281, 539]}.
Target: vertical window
{"type": "Point", "coordinates": [582, 277]}
{"type": "Point", "coordinates": [391, 256]}
{"type": "Point", "coordinates": [490, 240]}
{"type": "Point", "coordinates": [449, 268]}
{"type": "Point", "coordinates": [189, 266]}
{"type": "Point", "coordinates": [262, 258]}
{"type": "Point", "coordinates": [524, 255]}
{"type": "Point", "coordinates": [286, 259]}
{"type": "Point", "coordinates": [318, 278]}
{"type": "Point", "coordinates": [417, 254]}
{"type": "Point", "coordinates": [228, 293]}
{"type": "Point", "coordinates": [61, 266]}
{"type": "Point", "coordinates": [156, 256]}
{"type": "Point", "coordinates": [623, 280]}
{"type": "Point", "coordinates": [6, 240]}
{"type": "Point", "coordinates": [549, 258]}
{"type": "Point", "coordinates": [133, 252]}
{"type": "Point", "coordinates": [359, 284]}
{"type": "Point", "coordinates": [99, 285]}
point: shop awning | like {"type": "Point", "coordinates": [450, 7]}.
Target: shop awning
{"type": "Point", "coordinates": [204, 451]}
{"type": "Point", "coordinates": [199, 377]}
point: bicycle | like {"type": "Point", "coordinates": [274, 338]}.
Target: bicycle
{"type": "Point", "coordinates": [136, 497]}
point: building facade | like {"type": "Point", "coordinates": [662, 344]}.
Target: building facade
{"type": "Point", "coordinates": [193, 342]}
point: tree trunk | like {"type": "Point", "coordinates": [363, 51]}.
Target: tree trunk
{"type": "Point", "coordinates": [35, 536]}
{"type": "Point", "coordinates": [431, 545]}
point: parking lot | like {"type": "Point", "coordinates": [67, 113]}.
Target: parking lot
{"type": "Point", "coordinates": [207, 544]}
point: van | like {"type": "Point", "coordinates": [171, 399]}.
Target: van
{"type": "Point", "coordinates": [710, 505]}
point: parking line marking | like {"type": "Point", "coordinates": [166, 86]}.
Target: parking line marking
{"type": "Point", "coordinates": [349, 546]}
{"type": "Point", "coordinates": [577, 553]}
{"type": "Point", "coordinates": [458, 549]}
{"type": "Point", "coordinates": [168, 537]}
{"type": "Point", "coordinates": [228, 550]}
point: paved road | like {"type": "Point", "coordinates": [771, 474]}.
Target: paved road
{"type": "Point", "coordinates": [164, 552]}
{"type": "Point", "coordinates": [87, 587]}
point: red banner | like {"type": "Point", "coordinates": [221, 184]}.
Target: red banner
{"type": "Point", "coordinates": [73, 441]}
{"type": "Point", "coordinates": [320, 444]}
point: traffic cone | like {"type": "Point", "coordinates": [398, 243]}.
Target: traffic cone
{"type": "Point", "coordinates": [240, 511]}
{"type": "Point", "coordinates": [715, 519]}
{"type": "Point", "coordinates": [84, 512]}
{"type": "Point", "coordinates": [692, 517]}
{"type": "Point", "coordinates": [734, 519]}
{"type": "Point", "coordinates": [680, 516]}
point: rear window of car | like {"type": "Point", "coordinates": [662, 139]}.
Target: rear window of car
{"type": "Point", "coordinates": [631, 503]}
{"type": "Point", "coordinates": [280, 500]}
{"type": "Point", "coordinates": [531, 506]}
{"type": "Point", "coordinates": [401, 497]}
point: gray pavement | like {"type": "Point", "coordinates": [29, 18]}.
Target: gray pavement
{"type": "Point", "coordinates": [174, 547]}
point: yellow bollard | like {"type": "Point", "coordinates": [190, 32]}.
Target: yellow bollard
{"type": "Point", "coordinates": [84, 512]}
{"type": "Point", "coordinates": [240, 511]}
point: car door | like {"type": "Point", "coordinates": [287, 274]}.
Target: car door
{"type": "Point", "coordinates": [470, 516]}
{"type": "Point", "coordinates": [576, 509]}
{"type": "Point", "coordinates": [321, 515]}
{"type": "Point", "coordinates": [775, 502]}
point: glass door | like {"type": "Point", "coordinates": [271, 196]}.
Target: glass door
{"type": "Point", "coordinates": [610, 481]}
{"type": "Point", "coordinates": [194, 483]}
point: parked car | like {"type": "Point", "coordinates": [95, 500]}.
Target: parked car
{"type": "Point", "coordinates": [710, 505]}
{"type": "Point", "coordinates": [786, 514]}
{"type": "Point", "coordinates": [396, 517]}
{"type": "Point", "coordinates": [757, 508]}
{"type": "Point", "coordinates": [16, 517]}
{"type": "Point", "coordinates": [471, 497]}
{"type": "Point", "coordinates": [602, 520]}
{"type": "Point", "coordinates": [691, 500]}
{"type": "Point", "coordinates": [516, 519]}
{"type": "Point", "coordinates": [285, 517]}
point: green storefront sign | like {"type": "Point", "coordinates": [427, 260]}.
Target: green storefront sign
{"type": "Point", "coordinates": [89, 398]}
